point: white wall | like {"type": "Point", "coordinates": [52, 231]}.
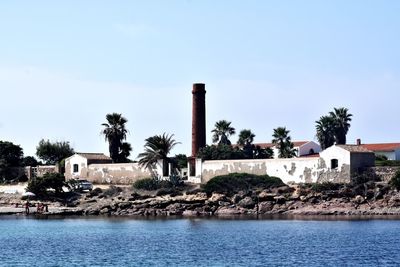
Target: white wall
{"type": "Point", "coordinates": [124, 173]}
{"type": "Point", "coordinates": [334, 152]}
{"type": "Point", "coordinates": [69, 167]}
{"type": "Point", "coordinates": [397, 154]}
{"type": "Point", "coordinates": [296, 170]}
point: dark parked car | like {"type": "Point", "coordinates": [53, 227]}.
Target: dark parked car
{"type": "Point", "coordinates": [82, 185]}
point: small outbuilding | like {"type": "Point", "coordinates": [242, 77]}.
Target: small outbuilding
{"type": "Point", "coordinates": [76, 166]}
{"type": "Point", "coordinates": [340, 162]}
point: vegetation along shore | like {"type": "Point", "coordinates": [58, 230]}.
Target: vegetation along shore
{"type": "Point", "coordinates": [234, 194]}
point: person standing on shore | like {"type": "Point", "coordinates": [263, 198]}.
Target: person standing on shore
{"type": "Point", "coordinates": [27, 207]}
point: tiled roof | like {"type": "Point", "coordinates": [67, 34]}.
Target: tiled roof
{"type": "Point", "coordinates": [295, 144]}
{"type": "Point", "coordinates": [386, 147]}
{"type": "Point", "coordinates": [94, 156]}
{"type": "Point", "coordinates": [355, 148]}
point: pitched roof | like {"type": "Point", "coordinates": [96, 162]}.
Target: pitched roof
{"type": "Point", "coordinates": [385, 147]}
{"type": "Point", "coordinates": [94, 156]}
{"type": "Point", "coordinates": [295, 144]}
{"type": "Point", "coordinates": [354, 148]}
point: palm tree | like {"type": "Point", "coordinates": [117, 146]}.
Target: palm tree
{"type": "Point", "coordinates": [156, 147]}
{"type": "Point", "coordinates": [125, 152]}
{"type": "Point", "coordinates": [325, 128]}
{"type": "Point", "coordinates": [342, 120]}
{"type": "Point", "coordinates": [246, 138]}
{"type": "Point", "coordinates": [222, 131]}
{"type": "Point", "coordinates": [283, 143]}
{"type": "Point", "coordinates": [263, 153]}
{"type": "Point", "coordinates": [114, 132]}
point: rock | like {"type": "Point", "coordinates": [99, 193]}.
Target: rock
{"type": "Point", "coordinates": [359, 199]}
{"type": "Point", "coordinates": [236, 198]}
{"type": "Point", "coordinates": [266, 206]}
{"type": "Point", "coordinates": [198, 197]}
{"type": "Point", "coordinates": [280, 199]}
{"type": "Point", "coordinates": [266, 196]}
{"type": "Point", "coordinates": [303, 198]}
{"type": "Point", "coordinates": [104, 211]}
{"type": "Point", "coordinates": [227, 211]}
{"type": "Point", "coordinates": [394, 201]}
{"type": "Point", "coordinates": [124, 205]}
{"type": "Point", "coordinates": [190, 213]}
{"type": "Point", "coordinates": [215, 197]}
{"type": "Point", "coordinates": [223, 203]}
{"type": "Point", "coordinates": [175, 206]}
{"type": "Point", "coordinates": [283, 190]}
{"type": "Point", "coordinates": [247, 203]}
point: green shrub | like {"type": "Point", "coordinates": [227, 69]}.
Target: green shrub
{"type": "Point", "coordinates": [151, 184]}
{"type": "Point", "coordinates": [391, 163]}
{"type": "Point", "coordinates": [148, 184]}
{"type": "Point", "coordinates": [40, 185]}
{"type": "Point", "coordinates": [395, 181]}
{"type": "Point", "coordinates": [112, 191]}
{"type": "Point", "coordinates": [234, 182]}
{"type": "Point", "coordinates": [325, 186]}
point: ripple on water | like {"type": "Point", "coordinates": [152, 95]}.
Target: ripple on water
{"type": "Point", "coordinates": [198, 242]}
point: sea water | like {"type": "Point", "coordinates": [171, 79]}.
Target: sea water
{"type": "Point", "coordinates": [198, 242]}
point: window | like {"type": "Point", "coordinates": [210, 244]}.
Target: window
{"type": "Point", "coordinates": [76, 168]}
{"type": "Point", "coordinates": [334, 163]}
{"type": "Point", "coordinates": [311, 152]}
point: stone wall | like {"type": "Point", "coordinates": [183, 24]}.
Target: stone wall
{"type": "Point", "coordinates": [39, 171]}
{"type": "Point", "coordinates": [126, 173]}
{"type": "Point", "coordinates": [383, 173]}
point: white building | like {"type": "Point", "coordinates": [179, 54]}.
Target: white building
{"type": "Point", "coordinates": [303, 148]}
{"type": "Point", "coordinates": [389, 150]}
{"type": "Point", "coordinates": [77, 165]}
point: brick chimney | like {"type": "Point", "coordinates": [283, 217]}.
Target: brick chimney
{"type": "Point", "coordinates": [358, 142]}
{"type": "Point", "coordinates": [198, 118]}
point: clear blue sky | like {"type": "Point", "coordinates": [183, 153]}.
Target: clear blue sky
{"type": "Point", "coordinates": [66, 64]}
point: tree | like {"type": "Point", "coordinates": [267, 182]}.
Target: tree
{"type": "Point", "coordinates": [125, 152]}
{"type": "Point", "coordinates": [10, 157]}
{"type": "Point", "coordinates": [115, 133]}
{"type": "Point", "coordinates": [156, 147]}
{"type": "Point", "coordinates": [246, 138]}
{"type": "Point", "coordinates": [181, 161]}
{"type": "Point", "coordinates": [53, 153]}
{"type": "Point", "coordinates": [222, 131]}
{"type": "Point", "coordinates": [283, 143]}
{"type": "Point", "coordinates": [325, 128]}
{"type": "Point", "coordinates": [220, 152]}
{"type": "Point", "coordinates": [341, 119]}
{"type": "Point", "coordinates": [262, 153]}
{"type": "Point", "coordinates": [30, 161]}
{"type": "Point", "coordinates": [39, 185]}
{"type": "Point", "coordinates": [333, 128]}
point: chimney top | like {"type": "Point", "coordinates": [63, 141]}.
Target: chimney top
{"type": "Point", "coordinates": [199, 87]}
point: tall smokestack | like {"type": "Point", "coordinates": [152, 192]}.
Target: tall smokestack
{"type": "Point", "coordinates": [198, 118]}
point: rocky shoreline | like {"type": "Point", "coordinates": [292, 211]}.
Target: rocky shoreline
{"type": "Point", "coordinates": [366, 199]}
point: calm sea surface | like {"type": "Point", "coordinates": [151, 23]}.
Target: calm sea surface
{"type": "Point", "coordinates": [198, 242]}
